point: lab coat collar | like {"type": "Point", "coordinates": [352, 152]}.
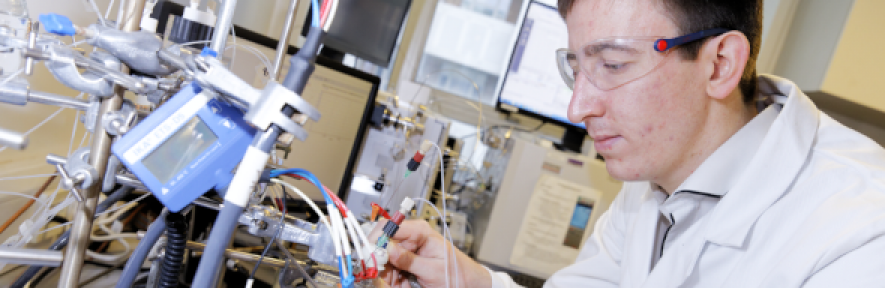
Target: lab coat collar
{"type": "Point", "coordinates": [781, 156]}
{"type": "Point", "coordinates": [723, 169]}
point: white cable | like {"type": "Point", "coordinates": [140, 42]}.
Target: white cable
{"type": "Point", "coordinates": [44, 121]}
{"type": "Point", "coordinates": [120, 13]}
{"type": "Point", "coordinates": [83, 140]}
{"type": "Point", "coordinates": [24, 196]}
{"type": "Point", "coordinates": [71, 198]}
{"type": "Point", "coordinates": [98, 12]}
{"type": "Point", "coordinates": [342, 234]}
{"type": "Point", "coordinates": [442, 188]}
{"type": "Point", "coordinates": [107, 12]}
{"type": "Point", "coordinates": [254, 51]}
{"type": "Point", "coordinates": [310, 202]}
{"type": "Point", "coordinates": [359, 232]}
{"type": "Point", "coordinates": [331, 208]}
{"type": "Point", "coordinates": [445, 228]}
{"type": "Point", "coordinates": [11, 76]}
{"type": "Point", "coordinates": [121, 207]}
{"type": "Point", "coordinates": [26, 177]}
{"type": "Point", "coordinates": [334, 232]}
{"type": "Point", "coordinates": [356, 240]}
{"type": "Point", "coordinates": [331, 16]}
{"type": "Point", "coordinates": [73, 133]}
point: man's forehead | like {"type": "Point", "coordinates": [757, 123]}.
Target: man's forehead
{"type": "Point", "coordinates": [590, 20]}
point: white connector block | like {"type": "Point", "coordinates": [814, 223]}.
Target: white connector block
{"type": "Point", "coordinates": [380, 255]}
{"type": "Point", "coordinates": [406, 206]}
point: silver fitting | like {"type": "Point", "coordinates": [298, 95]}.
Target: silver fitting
{"type": "Point", "coordinates": [82, 174]}
{"type": "Point", "coordinates": [32, 43]}
{"type": "Point", "coordinates": [12, 139]}
{"type": "Point", "coordinates": [264, 107]}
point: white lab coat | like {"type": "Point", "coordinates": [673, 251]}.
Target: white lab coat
{"type": "Point", "coordinates": [808, 212]}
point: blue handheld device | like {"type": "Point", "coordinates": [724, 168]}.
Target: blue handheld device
{"type": "Point", "coordinates": [187, 146]}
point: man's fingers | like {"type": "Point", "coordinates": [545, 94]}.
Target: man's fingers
{"type": "Point", "coordinates": [405, 260]}
{"type": "Point", "coordinates": [380, 283]}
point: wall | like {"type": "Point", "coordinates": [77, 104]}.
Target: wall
{"type": "Point", "coordinates": [856, 72]}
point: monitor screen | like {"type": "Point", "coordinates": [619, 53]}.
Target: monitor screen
{"type": "Point", "coordinates": [532, 83]}
{"type": "Point", "coordinates": [367, 29]}
{"type": "Point", "coordinates": [180, 149]}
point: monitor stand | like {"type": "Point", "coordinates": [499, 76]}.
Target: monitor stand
{"type": "Point", "coordinates": [572, 140]}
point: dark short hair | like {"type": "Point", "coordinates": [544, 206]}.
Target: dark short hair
{"type": "Point", "coordinates": [696, 15]}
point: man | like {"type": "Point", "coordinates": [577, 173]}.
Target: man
{"type": "Point", "coordinates": [718, 192]}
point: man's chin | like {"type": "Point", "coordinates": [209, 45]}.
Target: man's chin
{"type": "Point", "coordinates": [621, 172]}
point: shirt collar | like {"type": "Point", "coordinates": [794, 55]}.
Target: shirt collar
{"type": "Point", "coordinates": [722, 169]}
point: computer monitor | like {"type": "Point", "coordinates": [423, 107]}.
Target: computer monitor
{"type": "Point", "coordinates": [367, 29]}
{"type": "Point", "coordinates": [343, 95]}
{"type": "Point", "coordinates": [532, 85]}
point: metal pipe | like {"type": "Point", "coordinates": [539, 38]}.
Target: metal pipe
{"type": "Point", "coordinates": [100, 152]}
{"type": "Point", "coordinates": [38, 257]}
{"type": "Point", "coordinates": [242, 256]}
{"type": "Point", "coordinates": [283, 45]}
{"type": "Point", "coordinates": [234, 254]}
{"type": "Point", "coordinates": [57, 100]}
{"type": "Point", "coordinates": [222, 25]}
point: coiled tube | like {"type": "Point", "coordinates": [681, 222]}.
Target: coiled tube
{"type": "Point", "coordinates": [176, 235]}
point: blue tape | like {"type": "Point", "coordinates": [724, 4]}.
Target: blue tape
{"type": "Point", "coordinates": [315, 10]}
{"type": "Point", "coordinates": [57, 24]}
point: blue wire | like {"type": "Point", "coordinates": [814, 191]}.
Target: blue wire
{"type": "Point", "coordinates": [341, 268]}
{"type": "Point", "coordinates": [307, 175]}
{"type": "Point", "coordinates": [315, 10]}
{"type": "Point", "coordinates": [349, 265]}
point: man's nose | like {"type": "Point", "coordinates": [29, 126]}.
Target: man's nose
{"type": "Point", "coordinates": [586, 101]}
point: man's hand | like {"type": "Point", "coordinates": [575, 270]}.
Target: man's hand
{"type": "Point", "coordinates": [418, 250]}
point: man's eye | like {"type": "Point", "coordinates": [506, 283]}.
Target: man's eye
{"type": "Point", "coordinates": [614, 66]}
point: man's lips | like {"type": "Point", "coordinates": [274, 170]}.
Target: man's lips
{"type": "Point", "coordinates": [605, 142]}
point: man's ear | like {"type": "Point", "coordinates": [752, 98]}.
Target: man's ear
{"type": "Point", "coordinates": [727, 55]}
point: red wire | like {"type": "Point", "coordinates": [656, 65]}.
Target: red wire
{"type": "Point", "coordinates": [337, 201]}
{"type": "Point", "coordinates": [324, 12]}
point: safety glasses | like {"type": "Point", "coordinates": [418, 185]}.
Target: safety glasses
{"type": "Point", "coordinates": [611, 62]}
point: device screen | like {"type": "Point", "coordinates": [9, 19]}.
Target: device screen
{"type": "Point", "coordinates": [180, 149]}
{"type": "Point", "coordinates": [578, 224]}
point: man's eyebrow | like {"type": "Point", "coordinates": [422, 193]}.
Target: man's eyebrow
{"type": "Point", "coordinates": [596, 48]}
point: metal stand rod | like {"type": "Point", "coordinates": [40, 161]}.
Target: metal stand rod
{"type": "Point", "coordinates": [222, 26]}
{"type": "Point", "coordinates": [39, 257]}
{"type": "Point", "coordinates": [234, 254]}
{"type": "Point", "coordinates": [57, 100]}
{"type": "Point", "coordinates": [100, 152]}
{"type": "Point", "coordinates": [283, 45]}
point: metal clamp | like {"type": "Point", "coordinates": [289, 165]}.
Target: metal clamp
{"type": "Point", "coordinates": [268, 109]}
{"type": "Point", "coordinates": [76, 173]}
{"type": "Point", "coordinates": [118, 122]}
{"type": "Point", "coordinates": [70, 183]}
